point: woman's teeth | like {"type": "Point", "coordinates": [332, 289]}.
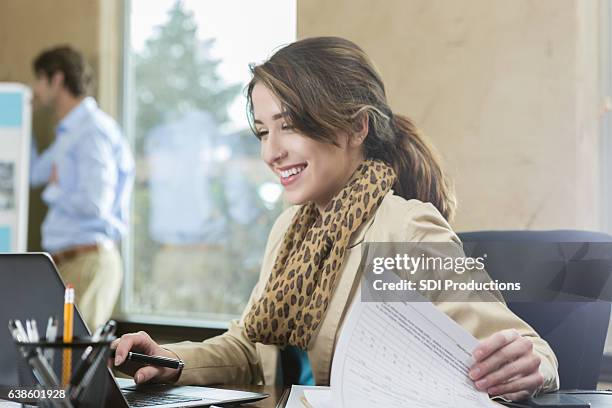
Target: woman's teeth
{"type": "Point", "coordinates": [292, 171]}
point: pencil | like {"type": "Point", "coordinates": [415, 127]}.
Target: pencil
{"type": "Point", "coordinates": [68, 332]}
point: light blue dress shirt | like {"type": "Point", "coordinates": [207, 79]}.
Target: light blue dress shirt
{"type": "Point", "coordinates": [90, 202]}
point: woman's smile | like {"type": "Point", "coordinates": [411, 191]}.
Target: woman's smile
{"type": "Point", "coordinates": [291, 174]}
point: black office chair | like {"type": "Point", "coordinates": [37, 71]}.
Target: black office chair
{"type": "Point", "coordinates": [576, 331]}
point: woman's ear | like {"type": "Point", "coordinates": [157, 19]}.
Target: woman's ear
{"type": "Point", "coordinates": [361, 131]}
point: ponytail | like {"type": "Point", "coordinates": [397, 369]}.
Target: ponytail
{"type": "Point", "coordinates": [419, 174]}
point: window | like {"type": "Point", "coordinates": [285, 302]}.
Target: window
{"type": "Point", "coordinates": [203, 200]}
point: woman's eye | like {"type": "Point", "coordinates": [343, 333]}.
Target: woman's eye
{"type": "Point", "coordinates": [261, 133]}
{"type": "Point", "coordinates": [286, 127]}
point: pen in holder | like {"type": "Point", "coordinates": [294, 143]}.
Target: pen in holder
{"type": "Point", "coordinates": [44, 364]}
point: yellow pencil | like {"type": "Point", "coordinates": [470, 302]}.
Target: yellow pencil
{"type": "Point", "coordinates": [68, 332]}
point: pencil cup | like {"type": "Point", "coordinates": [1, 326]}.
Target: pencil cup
{"type": "Point", "coordinates": [64, 374]}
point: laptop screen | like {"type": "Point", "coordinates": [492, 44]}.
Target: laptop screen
{"type": "Point", "coordinates": [30, 288]}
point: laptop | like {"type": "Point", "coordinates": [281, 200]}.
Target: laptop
{"type": "Point", "coordinates": [30, 287]}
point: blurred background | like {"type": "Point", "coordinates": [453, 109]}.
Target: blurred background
{"type": "Point", "coordinates": [514, 94]}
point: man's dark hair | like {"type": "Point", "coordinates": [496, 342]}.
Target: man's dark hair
{"type": "Point", "coordinates": [78, 76]}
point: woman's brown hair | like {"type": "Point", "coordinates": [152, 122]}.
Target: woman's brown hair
{"type": "Point", "coordinates": [326, 85]}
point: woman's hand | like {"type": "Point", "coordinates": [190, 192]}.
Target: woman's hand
{"type": "Point", "coordinates": [507, 366]}
{"type": "Point", "coordinates": [141, 342]}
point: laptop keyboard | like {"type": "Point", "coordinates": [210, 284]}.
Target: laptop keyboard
{"type": "Point", "coordinates": [147, 399]}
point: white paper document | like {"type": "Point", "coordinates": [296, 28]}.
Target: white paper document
{"type": "Point", "coordinates": [398, 355]}
{"type": "Point", "coordinates": [316, 397]}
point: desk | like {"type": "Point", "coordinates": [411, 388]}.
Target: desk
{"type": "Point", "coordinates": [270, 402]}
{"type": "Point", "coordinates": [601, 399]}
{"type": "Point", "coordinates": [275, 392]}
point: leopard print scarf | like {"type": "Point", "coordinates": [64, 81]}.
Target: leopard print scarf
{"type": "Point", "coordinates": [304, 274]}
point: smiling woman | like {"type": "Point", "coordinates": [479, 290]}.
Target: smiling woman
{"type": "Point", "coordinates": [355, 172]}
{"type": "Point", "coordinates": [308, 169]}
{"type": "Point", "coordinates": [346, 108]}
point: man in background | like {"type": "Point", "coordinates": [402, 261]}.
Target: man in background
{"type": "Point", "coordinates": [88, 171]}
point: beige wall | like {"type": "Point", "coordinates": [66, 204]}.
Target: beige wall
{"type": "Point", "coordinates": [28, 26]}
{"type": "Point", "coordinates": [506, 90]}
{"type": "Point", "coordinates": [92, 26]}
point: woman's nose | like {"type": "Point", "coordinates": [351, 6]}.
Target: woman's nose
{"type": "Point", "coordinates": [272, 151]}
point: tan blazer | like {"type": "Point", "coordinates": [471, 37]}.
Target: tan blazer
{"type": "Point", "coordinates": [232, 358]}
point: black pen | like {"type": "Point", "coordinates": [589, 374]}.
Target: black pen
{"type": "Point", "coordinates": [157, 361]}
